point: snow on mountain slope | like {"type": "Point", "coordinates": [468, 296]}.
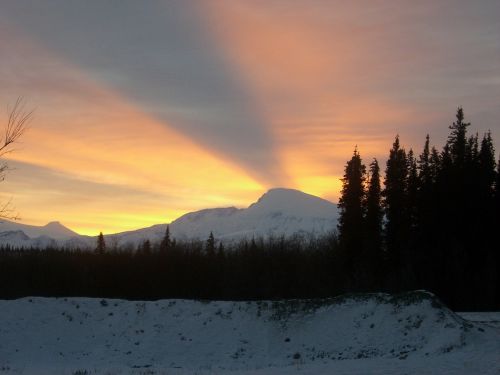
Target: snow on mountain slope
{"type": "Point", "coordinates": [278, 212]}
{"type": "Point", "coordinates": [32, 236]}
{"type": "Point", "coordinates": [54, 230]}
{"type": "Point", "coordinates": [377, 334]}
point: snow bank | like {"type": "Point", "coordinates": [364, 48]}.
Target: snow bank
{"type": "Point", "coordinates": [215, 337]}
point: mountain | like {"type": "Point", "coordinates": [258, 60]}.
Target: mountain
{"type": "Point", "coordinates": [51, 234]}
{"type": "Point", "coordinates": [54, 230]}
{"type": "Point", "coordinates": [278, 212]}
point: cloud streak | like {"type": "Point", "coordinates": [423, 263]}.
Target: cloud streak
{"type": "Point", "coordinates": [197, 104]}
{"type": "Point", "coordinates": [157, 57]}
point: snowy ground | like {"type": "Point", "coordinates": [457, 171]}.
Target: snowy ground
{"type": "Point", "coordinates": [371, 334]}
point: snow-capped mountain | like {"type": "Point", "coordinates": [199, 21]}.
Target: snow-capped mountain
{"type": "Point", "coordinates": [53, 230]}
{"type": "Point", "coordinates": [278, 212]}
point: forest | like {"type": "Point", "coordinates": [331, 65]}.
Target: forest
{"type": "Point", "coordinates": [428, 222]}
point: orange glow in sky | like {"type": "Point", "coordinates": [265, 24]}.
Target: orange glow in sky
{"type": "Point", "coordinates": [210, 104]}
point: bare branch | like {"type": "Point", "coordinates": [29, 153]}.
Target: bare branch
{"type": "Point", "coordinates": [7, 211]}
{"type": "Point", "coordinates": [17, 124]}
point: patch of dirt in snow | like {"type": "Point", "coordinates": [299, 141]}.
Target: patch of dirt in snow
{"type": "Point", "coordinates": [360, 333]}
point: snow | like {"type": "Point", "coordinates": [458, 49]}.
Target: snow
{"type": "Point", "coordinates": [278, 212]}
{"type": "Point", "coordinates": [490, 318]}
{"type": "Point", "coordinates": [54, 230]}
{"type": "Point", "coordinates": [376, 334]}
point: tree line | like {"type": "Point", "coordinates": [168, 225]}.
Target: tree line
{"type": "Point", "coordinates": [428, 223]}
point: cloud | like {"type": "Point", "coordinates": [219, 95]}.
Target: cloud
{"type": "Point", "coordinates": [328, 76]}
{"type": "Point", "coordinates": [208, 103]}
{"type": "Point", "coordinates": [40, 194]}
{"type": "Point", "coordinates": [158, 57]}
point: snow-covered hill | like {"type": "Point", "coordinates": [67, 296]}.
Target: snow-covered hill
{"type": "Point", "coordinates": [376, 334]}
{"type": "Point", "coordinates": [278, 212]}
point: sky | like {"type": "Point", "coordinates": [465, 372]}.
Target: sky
{"type": "Point", "coordinates": [147, 110]}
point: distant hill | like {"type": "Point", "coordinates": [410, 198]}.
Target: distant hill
{"type": "Point", "coordinates": [54, 230]}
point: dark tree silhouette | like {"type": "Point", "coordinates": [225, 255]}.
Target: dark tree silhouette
{"type": "Point", "coordinates": [448, 244]}
{"type": "Point", "coordinates": [210, 245]}
{"type": "Point", "coordinates": [351, 206]}
{"type": "Point", "coordinates": [457, 140]}
{"type": "Point", "coordinates": [373, 257]}
{"type": "Point", "coordinates": [396, 207]}
{"type": "Point", "coordinates": [412, 191]}
{"type": "Point", "coordinates": [166, 242]}
{"type": "Point", "coordinates": [101, 244]}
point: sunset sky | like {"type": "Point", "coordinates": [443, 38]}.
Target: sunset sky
{"type": "Point", "coordinates": [145, 110]}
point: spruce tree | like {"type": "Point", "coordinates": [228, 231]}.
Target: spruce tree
{"type": "Point", "coordinates": [496, 220]}
{"type": "Point", "coordinates": [424, 165]}
{"type": "Point", "coordinates": [396, 208]}
{"type": "Point", "coordinates": [210, 245]}
{"type": "Point", "coordinates": [351, 220]}
{"type": "Point", "coordinates": [483, 249]}
{"type": "Point", "coordinates": [456, 184]}
{"type": "Point", "coordinates": [427, 169]}
{"type": "Point", "coordinates": [487, 165]}
{"type": "Point", "coordinates": [373, 257]}
{"type": "Point", "coordinates": [496, 193]}
{"type": "Point", "coordinates": [435, 165]}
{"type": "Point", "coordinates": [101, 244]}
{"type": "Point", "coordinates": [374, 214]}
{"type": "Point", "coordinates": [166, 242]}
{"type": "Point", "coordinates": [412, 191]}
{"type": "Point", "coordinates": [427, 225]}
{"type": "Point", "coordinates": [457, 140]}
{"type": "Point", "coordinates": [351, 201]}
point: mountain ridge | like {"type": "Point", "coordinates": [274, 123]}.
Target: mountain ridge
{"type": "Point", "coordinates": [277, 212]}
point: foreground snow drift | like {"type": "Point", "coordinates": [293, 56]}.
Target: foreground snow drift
{"type": "Point", "coordinates": [362, 333]}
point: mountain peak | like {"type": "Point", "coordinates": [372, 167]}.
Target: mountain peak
{"type": "Point", "coordinates": [294, 202]}
{"type": "Point", "coordinates": [276, 193]}
{"type": "Point", "coordinates": [56, 229]}
{"type": "Point", "coordinates": [54, 224]}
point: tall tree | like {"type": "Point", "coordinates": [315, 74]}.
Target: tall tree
{"type": "Point", "coordinates": [457, 140]}
{"type": "Point", "coordinates": [424, 164]}
{"type": "Point", "coordinates": [351, 201]}
{"type": "Point", "coordinates": [483, 251]}
{"type": "Point", "coordinates": [395, 204]}
{"type": "Point", "coordinates": [166, 242]}
{"type": "Point", "coordinates": [374, 213]}
{"type": "Point", "coordinates": [101, 244]}
{"type": "Point", "coordinates": [497, 225]}
{"type": "Point", "coordinates": [428, 168]}
{"type": "Point", "coordinates": [456, 182]}
{"type": "Point", "coordinates": [487, 165]}
{"type": "Point", "coordinates": [210, 245]}
{"type": "Point", "coordinates": [413, 186]}
{"type": "Point", "coordinates": [373, 257]}
{"type": "Point", "coordinates": [351, 207]}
